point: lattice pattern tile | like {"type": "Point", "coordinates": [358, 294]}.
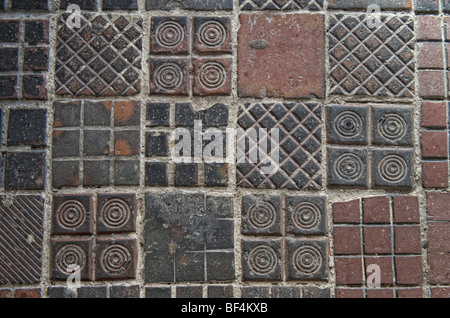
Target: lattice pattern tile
{"type": "Point", "coordinates": [371, 61]}
{"type": "Point", "coordinates": [310, 5]}
{"type": "Point", "coordinates": [102, 58]}
{"type": "Point", "coordinates": [300, 151]}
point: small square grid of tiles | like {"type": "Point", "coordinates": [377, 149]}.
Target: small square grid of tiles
{"type": "Point", "coordinates": [176, 139]}
{"type": "Point", "coordinates": [179, 44]}
{"type": "Point", "coordinates": [82, 236]}
{"type": "Point", "coordinates": [24, 59]}
{"type": "Point", "coordinates": [284, 238]}
{"type": "Point", "coordinates": [377, 240]}
{"type": "Point", "coordinates": [102, 137]}
{"type": "Point", "coordinates": [370, 146]}
{"type": "Point", "coordinates": [189, 238]}
{"type": "Point", "coordinates": [23, 155]}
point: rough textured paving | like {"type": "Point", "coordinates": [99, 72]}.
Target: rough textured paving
{"type": "Point", "coordinates": [112, 130]}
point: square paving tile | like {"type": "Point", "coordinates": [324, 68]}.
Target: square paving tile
{"type": "Point", "coordinates": [188, 238]}
{"type": "Point", "coordinates": [102, 58]}
{"type": "Point", "coordinates": [22, 235]}
{"type": "Point", "coordinates": [300, 155]}
{"type": "Point", "coordinates": [110, 134]}
{"type": "Point", "coordinates": [371, 61]}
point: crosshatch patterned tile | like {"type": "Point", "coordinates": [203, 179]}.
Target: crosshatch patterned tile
{"type": "Point", "coordinates": [300, 145]}
{"type": "Point", "coordinates": [110, 132]}
{"type": "Point", "coordinates": [102, 58]}
{"type": "Point", "coordinates": [24, 63]}
{"type": "Point", "coordinates": [21, 237]}
{"type": "Point", "coordinates": [393, 246]}
{"type": "Point", "coordinates": [159, 147]}
{"type": "Point", "coordinates": [188, 238]}
{"type": "Point", "coordinates": [372, 62]}
{"type": "Point", "coordinates": [350, 160]}
{"type": "Point", "coordinates": [307, 5]}
{"type": "Point", "coordinates": [171, 56]}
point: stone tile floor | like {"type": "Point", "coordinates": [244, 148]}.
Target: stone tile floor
{"type": "Point", "coordinates": [95, 103]}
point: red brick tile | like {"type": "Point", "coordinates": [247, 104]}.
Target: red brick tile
{"type": "Point", "coordinates": [377, 240]}
{"type": "Point", "coordinates": [349, 270]}
{"type": "Point", "coordinates": [410, 293]}
{"type": "Point", "coordinates": [380, 293]}
{"type": "Point", "coordinates": [5, 293]}
{"type": "Point", "coordinates": [435, 174]}
{"type": "Point", "coordinates": [347, 240]}
{"type": "Point", "coordinates": [349, 293]}
{"type": "Point", "coordinates": [408, 270]}
{"type": "Point", "coordinates": [431, 83]}
{"type": "Point", "coordinates": [438, 206]}
{"type": "Point", "coordinates": [439, 237]}
{"type": "Point", "coordinates": [406, 209]}
{"type": "Point", "coordinates": [407, 240]}
{"type": "Point", "coordinates": [428, 27]}
{"type": "Point", "coordinates": [386, 267]}
{"type": "Point", "coordinates": [434, 144]}
{"type": "Point", "coordinates": [434, 114]}
{"type": "Point", "coordinates": [440, 292]}
{"type": "Point", "coordinates": [276, 53]}
{"type": "Point", "coordinates": [376, 210]}
{"type": "Point", "coordinates": [439, 270]}
{"type": "Point", "coordinates": [430, 56]}
{"type": "Point", "coordinates": [346, 212]}
{"type": "Point", "coordinates": [27, 293]}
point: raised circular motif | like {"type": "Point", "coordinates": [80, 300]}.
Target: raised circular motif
{"type": "Point", "coordinates": [307, 259]}
{"type": "Point", "coordinates": [262, 260]}
{"type": "Point", "coordinates": [116, 259]}
{"type": "Point", "coordinates": [392, 127]}
{"type": "Point", "coordinates": [393, 168]}
{"type": "Point", "coordinates": [212, 75]}
{"type": "Point", "coordinates": [71, 214]}
{"type": "Point", "coordinates": [348, 124]}
{"type": "Point", "coordinates": [306, 216]}
{"type": "Point", "coordinates": [115, 213]}
{"type": "Point", "coordinates": [170, 34]}
{"type": "Point", "coordinates": [169, 76]}
{"type": "Point", "coordinates": [349, 167]}
{"type": "Point", "coordinates": [212, 34]}
{"type": "Point", "coordinates": [262, 216]}
{"type": "Point", "coordinates": [69, 256]}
